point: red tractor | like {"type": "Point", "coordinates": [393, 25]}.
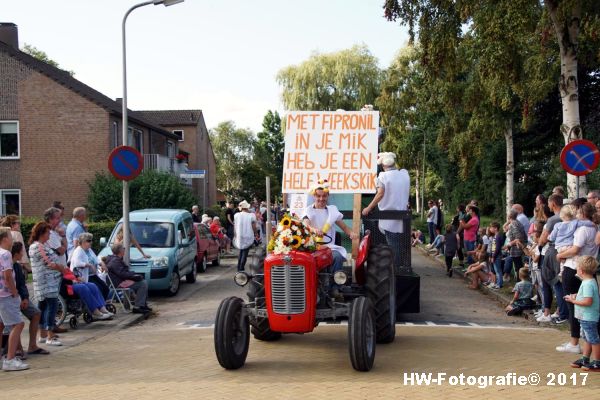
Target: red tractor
{"type": "Point", "coordinates": [290, 293]}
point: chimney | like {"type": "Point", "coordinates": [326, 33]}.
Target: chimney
{"type": "Point", "coordinates": [119, 100]}
{"type": "Point", "coordinates": [9, 34]}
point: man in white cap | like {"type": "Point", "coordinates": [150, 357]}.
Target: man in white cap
{"type": "Point", "coordinates": [321, 217]}
{"type": "Point", "coordinates": [244, 228]}
{"type": "Point", "coordinates": [393, 188]}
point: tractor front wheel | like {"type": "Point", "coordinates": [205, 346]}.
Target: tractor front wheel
{"type": "Point", "coordinates": [361, 334]}
{"type": "Point", "coordinates": [232, 333]}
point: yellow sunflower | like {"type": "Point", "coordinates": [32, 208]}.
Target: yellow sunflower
{"type": "Point", "coordinates": [286, 222]}
{"type": "Point", "coordinates": [296, 241]}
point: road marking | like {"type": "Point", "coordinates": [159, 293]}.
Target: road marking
{"type": "Point", "coordinates": [416, 324]}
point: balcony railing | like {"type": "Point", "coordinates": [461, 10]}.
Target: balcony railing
{"type": "Point", "coordinates": [161, 163]}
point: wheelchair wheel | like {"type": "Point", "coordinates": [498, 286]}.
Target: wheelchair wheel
{"type": "Point", "coordinates": [61, 311]}
{"type": "Point", "coordinates": [111, 308]}
{"type": "Point", "coordinates": [87, 317]}
{"type": "Point", "coordinates": [73, 322]}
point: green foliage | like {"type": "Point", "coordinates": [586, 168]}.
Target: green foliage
{"type": "Point", "coordinates": [151, 189]}
{"type": "Point", "coordinates": [346, 79]}
{"type": "Point", "coordinates": [98, 229]}
{"type": "Point", "coordinates": [42, 56]}
{"type": "Point", "coordinates": [233, 149]}
{"type": "Point", "coordinates": [268, 152]}
{"type": "Point", "coordinates": [216, 211]}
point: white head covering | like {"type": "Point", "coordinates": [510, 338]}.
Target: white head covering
{"type": "Point", "coordinates": [386, 159]}
{"type": "Point", "coordinates": [321, 184]}
{"type": "Point", "coordinates": [244, 204]}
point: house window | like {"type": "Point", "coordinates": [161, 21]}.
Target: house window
{"type": "Point", "coordinates": [9, 139]}
{"type": "Point", "coordinates": [136, 139]}
{"type": "Point", "coordinates": [181, 133]}
{"type": "Point", "coordinates": [10, 201]}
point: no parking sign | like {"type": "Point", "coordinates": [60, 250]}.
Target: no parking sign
{"type": "Point", "coordinates": [580, 157]}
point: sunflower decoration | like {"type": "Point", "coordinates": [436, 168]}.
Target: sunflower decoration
{"type": "Point", "coordinates": [292, 234]}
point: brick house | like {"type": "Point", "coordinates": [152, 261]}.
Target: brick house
{"type": "Point", "coordinates": [194, 145]}
{"type": "Point", "coordinates": [56, 133]}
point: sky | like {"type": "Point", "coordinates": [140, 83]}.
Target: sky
{"type": "Point", "coordinates": [215, 55]}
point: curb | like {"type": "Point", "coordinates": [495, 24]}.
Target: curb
{"type": "Point", "coordinates": [500, 297]}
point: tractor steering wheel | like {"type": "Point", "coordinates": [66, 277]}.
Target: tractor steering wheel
{"type": "Point", "coordinates": [326, 236]}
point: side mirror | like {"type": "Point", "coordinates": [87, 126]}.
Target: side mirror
{"type": "Point", "coordinates": [185, 242]}
{"type": "Point", "coordinates": [103, 242]}
{"type": "Point", "coordinates": [179, 237]}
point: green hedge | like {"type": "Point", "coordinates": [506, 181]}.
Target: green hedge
{"type": "Point", "coordinates": [98, 229]}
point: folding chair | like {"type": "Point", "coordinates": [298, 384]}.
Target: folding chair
{"type": "Point", "coordinates": [122, 295]}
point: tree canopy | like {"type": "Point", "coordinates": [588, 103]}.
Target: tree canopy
{"type": "Point", "coordinates": [347, 79]}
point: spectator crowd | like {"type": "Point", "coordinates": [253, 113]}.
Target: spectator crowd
{"type": "Point", "coordinates": [552, 257]}
{"type": "Point", "coordinates": [63, 266]}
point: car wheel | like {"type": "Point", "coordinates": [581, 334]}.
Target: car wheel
{"type": "Point", "coordinates": [191, 277]}
{"type": "Point", "coordinates": [202, 266]}
{"type": "Point", "coordinates": [217, 261]}
{"type": "Point", "coordinates": [174, 283]}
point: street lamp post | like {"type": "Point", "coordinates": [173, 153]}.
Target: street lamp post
{"type": "Point", "coordinates": [423, 181]}
{"type": "Point", "coordinates": [125, 226]}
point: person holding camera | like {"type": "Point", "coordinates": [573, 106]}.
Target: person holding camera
{"type": "Point", "coordinates": [122, 277]}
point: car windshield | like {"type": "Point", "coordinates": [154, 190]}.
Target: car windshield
{"type": "Point", "coordinates": [151, 234]}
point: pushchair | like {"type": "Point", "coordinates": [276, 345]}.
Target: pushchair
{"type": "Point", "coordinates": [69, 304]}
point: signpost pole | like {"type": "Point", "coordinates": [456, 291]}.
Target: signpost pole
{"type": "Point", "coordinates": [356, 209]}
{"type": "Point", "coordinates": [577, 188]}
{"type": "Point", "coordinates": [268, 199]}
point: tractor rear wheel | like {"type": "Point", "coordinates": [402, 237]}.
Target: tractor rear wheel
{"type": "Point", "coordinates": [232, 335]}
{"type": "Point", "coordinates": [381, 290]}
{"type": "Point", "coordinates": [361, 334]}
{"type": "Point", "coordinates": [261, 329]}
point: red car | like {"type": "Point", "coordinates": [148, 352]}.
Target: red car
{"type": "Point", "coordinates": [208, 248]}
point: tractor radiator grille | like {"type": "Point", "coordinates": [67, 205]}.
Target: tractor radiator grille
{"type": "Point", "coordinates": [287, 289]}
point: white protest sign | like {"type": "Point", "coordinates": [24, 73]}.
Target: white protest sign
{"type": "Point", "coordinates": [340, 146]}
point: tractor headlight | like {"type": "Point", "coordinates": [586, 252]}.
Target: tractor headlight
{"type": "Point", "coordinates": [241, 278]}
{"type": "Point", "coordinates": [160, 262]}
{"type": "Point", "coordinates": [340, 277]}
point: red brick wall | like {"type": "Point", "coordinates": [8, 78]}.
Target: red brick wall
{"type": "Point", "coordinates": [64, 141]}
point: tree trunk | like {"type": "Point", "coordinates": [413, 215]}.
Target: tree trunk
{"type": "Point", "coordinates": [567, 33]}
{"type": "Point", "coordinates": [510, 167]}
{"type": "Point", "coordinates": [417, 191]}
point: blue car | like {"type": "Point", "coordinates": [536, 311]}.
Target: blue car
{"type": "Point", "coordinates": [169, 238]}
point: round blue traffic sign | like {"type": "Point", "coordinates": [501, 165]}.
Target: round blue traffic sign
{"type": "Point", "coordinates": [125, 163]}
{"type": "Point", "coordinates": [580, 157]}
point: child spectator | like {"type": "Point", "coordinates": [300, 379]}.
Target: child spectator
{"type": "Point", "coordinates": [484, 236]}
{"type": "Point", "coordinates": [523, 292]}
{"type": "Point", "coordinates": [10, 302]}
{"type": "Point", "coordinates": [438, 245]}
{"type": "Point", "coordinates": [495, 252]}
{"type": "Point", "coordinates": [535, 253]}
{"type": "Point", "coordinates": [452, 241]}
{"type": "Point", "coordinates": [587, 311]}
{"type": "Point", "coordinates": [479, 271]}
{"type": "Point", "coordinates": [416, 237]}
{"type": "Point", "coordinates": [28, 309]}
{"type": "Point", "coordinates": [563, 233]}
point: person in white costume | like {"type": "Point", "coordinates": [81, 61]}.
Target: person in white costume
{"type": "Point", "coordinates": [321, 217]}
{"type": "Point", "coordinates": [393, 188]}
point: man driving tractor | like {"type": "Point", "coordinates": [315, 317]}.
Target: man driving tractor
{"type": "Point", "coordinates": [321, 217]}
